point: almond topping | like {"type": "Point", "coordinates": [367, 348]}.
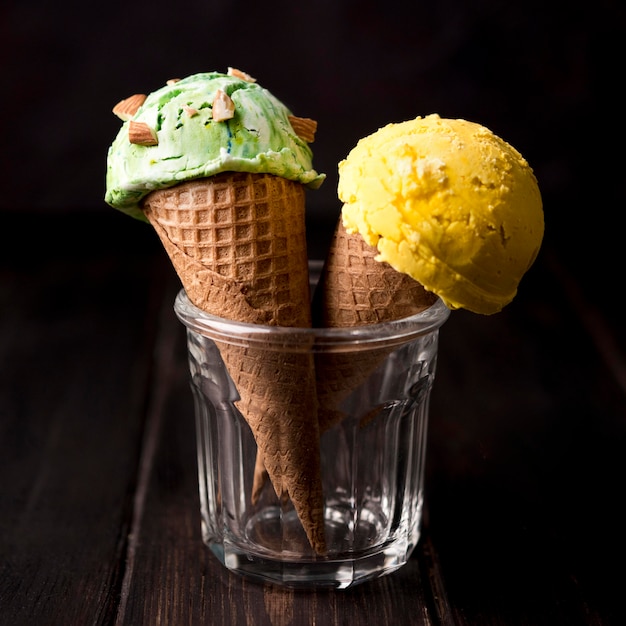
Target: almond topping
{"type": "Point", "coordinates": [128, 107]}
{"type": "Point", "coordinates": [140, 133]}
{"type": "Point", "coordinates": [223, 107]}
{"type": "Point", "coordinates": [190, 110]}
{"type": "Point", "coordinates": [239, 74]}
{"type": "Point", "coordinates": [172, 81]}
{"type": "Point", "coordinates": [304, 127]}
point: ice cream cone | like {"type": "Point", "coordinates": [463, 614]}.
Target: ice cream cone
{"type": "Point", "coordinates": [355, 289]}
{"type": "Point", "coordinates": [237, 242]}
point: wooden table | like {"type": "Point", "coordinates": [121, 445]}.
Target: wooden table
{"type": "Point", "coordinates": [99, 511]}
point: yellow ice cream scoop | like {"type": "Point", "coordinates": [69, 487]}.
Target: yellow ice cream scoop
{"type": "Point", "coordinates": [449, 203]}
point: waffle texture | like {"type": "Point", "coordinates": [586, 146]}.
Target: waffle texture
{"type": "Point", "coordinates": [355, 290]}
{"type": "Point", "coordinates": [238, 243]}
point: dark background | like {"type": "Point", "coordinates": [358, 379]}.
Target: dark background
{"type": "Point", "coordinates": [525, 462]}
{"type": "Point", "coordinates": [543, 75]}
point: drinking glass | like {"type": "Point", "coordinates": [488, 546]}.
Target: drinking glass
{"type": "Point", "coordinates": [366, 402]}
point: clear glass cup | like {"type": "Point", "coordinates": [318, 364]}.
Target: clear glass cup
{"type": "Point", "coordinates": [371, 389]}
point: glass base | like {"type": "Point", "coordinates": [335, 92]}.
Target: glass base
{"type": "Point", "coordinates": [277, 543]}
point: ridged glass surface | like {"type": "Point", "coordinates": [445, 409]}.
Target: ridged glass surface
{"type": "Point", "coordinates": [371, 448]}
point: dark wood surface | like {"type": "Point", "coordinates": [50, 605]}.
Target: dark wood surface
{"type": "Point", "coordinates": [99, 511]}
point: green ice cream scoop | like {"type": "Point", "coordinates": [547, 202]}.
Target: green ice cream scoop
{"type": "Point", "coordinates": [184, 140]}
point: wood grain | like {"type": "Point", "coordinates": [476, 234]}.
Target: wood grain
{"type": "Point", "coordinates": [99, 511]}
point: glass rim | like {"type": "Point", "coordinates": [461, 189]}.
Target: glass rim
{"type": "Point", "coordinates": [398, 331]}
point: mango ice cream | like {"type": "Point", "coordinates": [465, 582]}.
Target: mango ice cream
{"type": "Point", "coordinates": [450, 204]}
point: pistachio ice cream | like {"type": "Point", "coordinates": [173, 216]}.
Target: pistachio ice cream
{"type": "Point", "coordinates": [176, 136]}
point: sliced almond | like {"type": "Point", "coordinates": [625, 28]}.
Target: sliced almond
{"type": "Point", "coordinates": [190, 110]}
{"type": "Point", "coordinates": [232, 71]}
{"type": "Point", "coordinates": [125, 109]}
{"type": "Point", "coordinates": [304, 127]}
{"type": "Point", "coordinates": [223, 107]}
{"type": "Point", "coordinates": [172, 81]}
{"type": "Point", "coordinates": [141, 134]}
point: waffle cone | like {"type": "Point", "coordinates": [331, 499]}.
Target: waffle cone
{"type": "Point", "coordinates": [237, 242]}
{"type": "Point", "coordinates": [355, 289]}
